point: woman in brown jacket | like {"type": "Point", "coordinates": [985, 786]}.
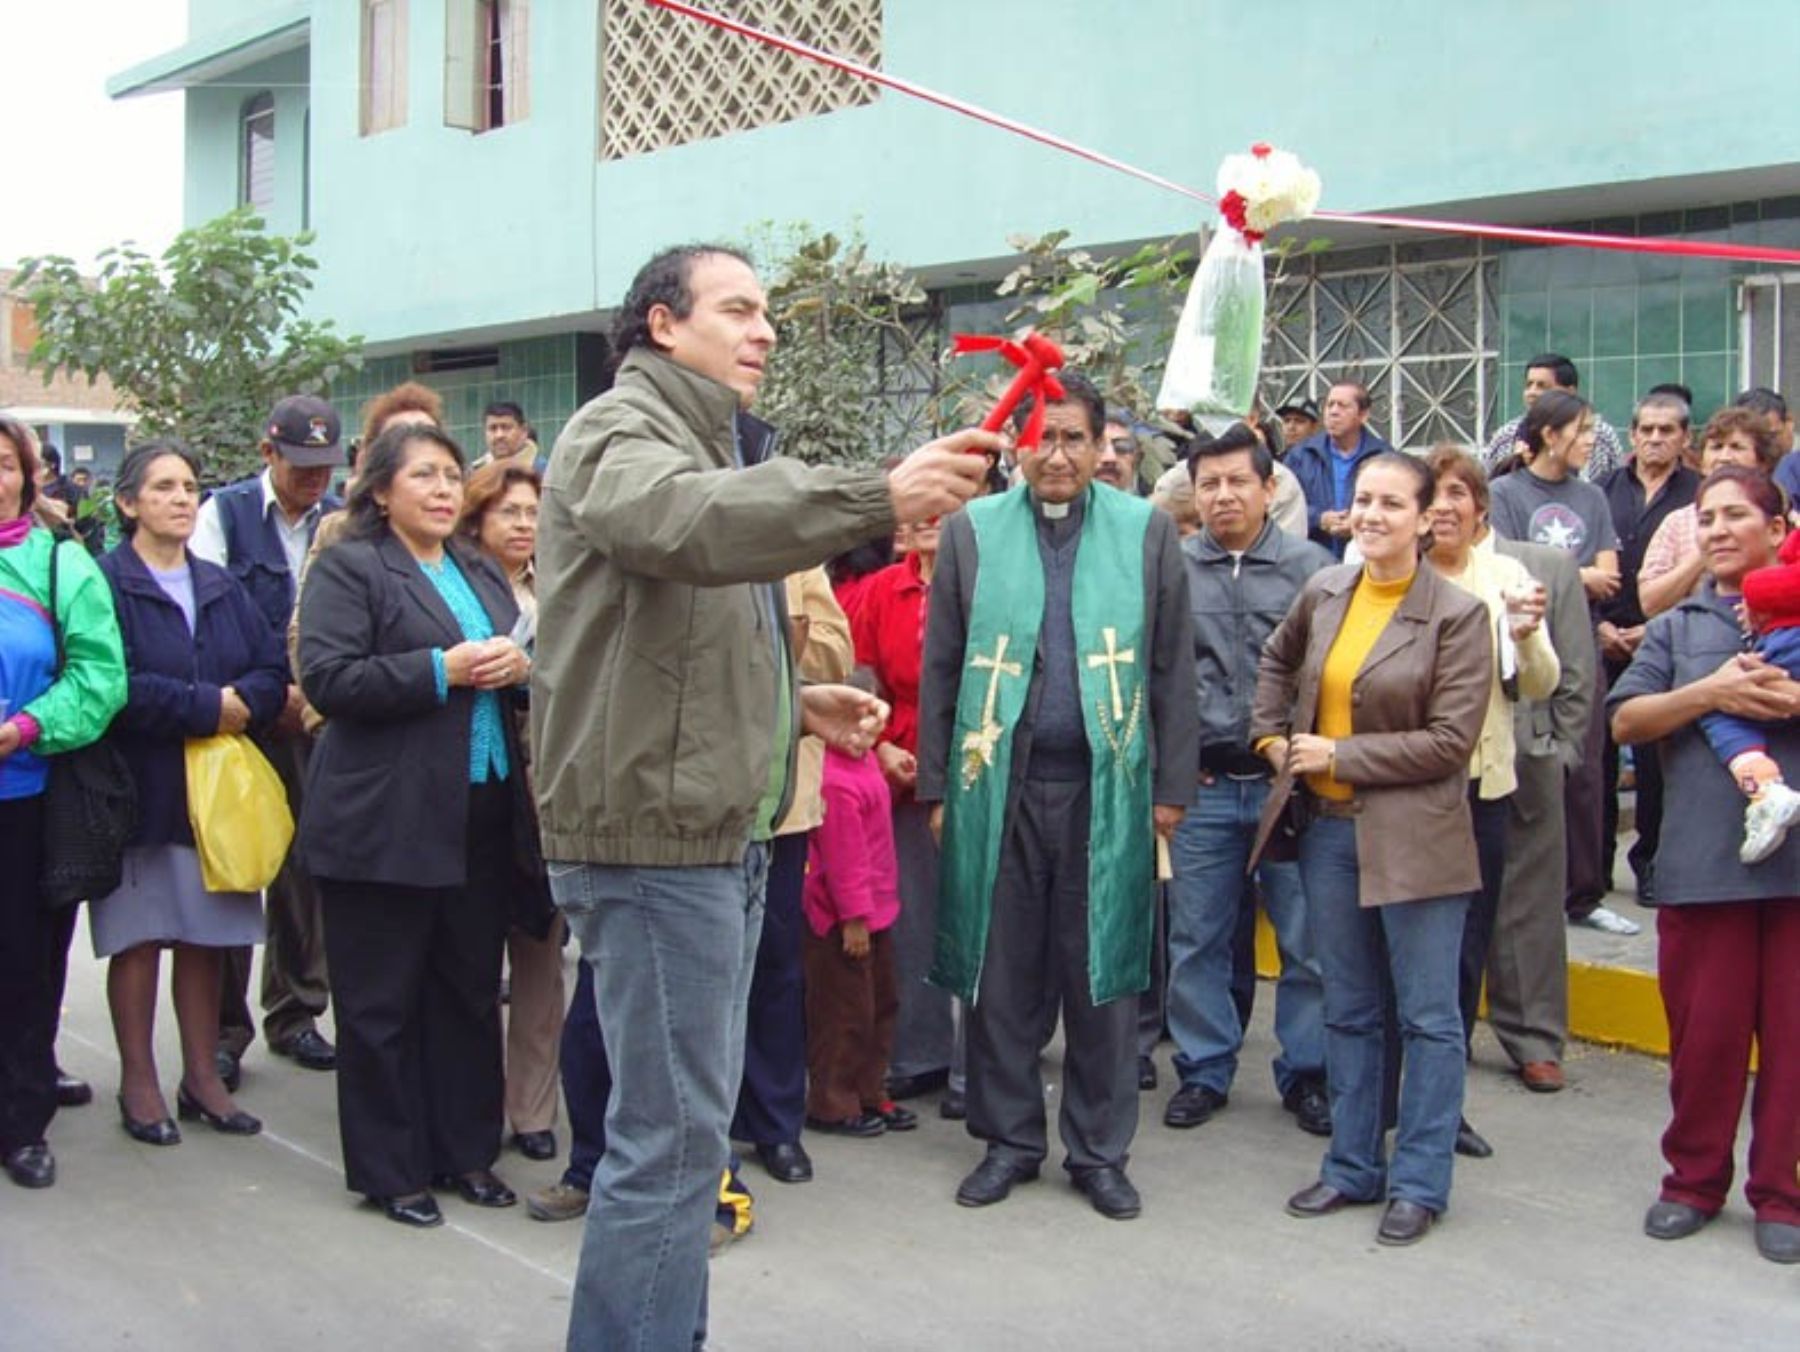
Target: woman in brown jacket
{"type": "Point", "coordinates": [1369, 703]}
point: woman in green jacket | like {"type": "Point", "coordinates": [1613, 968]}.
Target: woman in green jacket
{"type": "Point", "coordinates": [43, 712]}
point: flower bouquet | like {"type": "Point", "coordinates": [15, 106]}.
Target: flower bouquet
{"type": "Point", "coordinates": [1217, 356]}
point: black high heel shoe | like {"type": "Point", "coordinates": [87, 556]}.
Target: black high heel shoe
{"type": "Point", "coordinates": [161, 1132]}
{"type": "Point", "coordinates": [235, 1123]}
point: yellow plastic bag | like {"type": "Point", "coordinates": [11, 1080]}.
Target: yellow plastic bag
{"type": "Point", "coordinates": [239, 812]}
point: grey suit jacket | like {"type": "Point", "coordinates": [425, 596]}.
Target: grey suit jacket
{"type": "Point", "coordinates": [1557, 726]}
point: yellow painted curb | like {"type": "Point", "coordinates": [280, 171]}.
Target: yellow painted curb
{"type": "Point", "coordinates": [1617, 1006]}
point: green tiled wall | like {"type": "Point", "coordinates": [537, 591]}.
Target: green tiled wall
{"type": "Point", "coordinates": [1629, 321]}
{"type": "Point", "coordinates": [538, 374]}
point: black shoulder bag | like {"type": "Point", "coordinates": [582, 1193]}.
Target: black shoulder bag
{"type": "Point", "coordinates": [90, 806]}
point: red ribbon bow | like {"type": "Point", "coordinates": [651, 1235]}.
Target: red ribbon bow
{"type": "Point", "coordinates": [1233, 208]}
{"type": "Point", "coordinates": [1036, 357]}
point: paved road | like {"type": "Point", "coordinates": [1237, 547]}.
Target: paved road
{"type": "Point", "coordinates": [234, 1244]}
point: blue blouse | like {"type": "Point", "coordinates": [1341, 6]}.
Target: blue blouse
{"type": "Point", "coordinates": [487, 734]}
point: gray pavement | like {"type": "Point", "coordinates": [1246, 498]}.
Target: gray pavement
{"type": "Point", "coordinates": [254, 1244]}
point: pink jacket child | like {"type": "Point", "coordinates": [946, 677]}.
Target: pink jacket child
{"type": "Point", "coordinates": [851, 900]}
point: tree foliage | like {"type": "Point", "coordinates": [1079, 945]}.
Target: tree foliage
{"type": "Point", "coordinates": [834, 308]}
{"type": "Point", "coordinates": [202, 341]}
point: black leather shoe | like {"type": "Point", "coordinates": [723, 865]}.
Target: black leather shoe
{"type": "Point", "coordinates": [234, 1123]}
{"type": "Point", "coordinates": [1311, 1107]}
{"type": "Point", "coordinates": [535, 1145]}
{"type": "Point", "coordinates": [1778, 1241]}
{"type": "Point", "coordinates": [419, 1210]}
{"type": "Point", "coordinates": [896, 1117]}
{"type": "Point", "coordinates": [954, 1107]}
{"type": "Point", "coordinates": [1192, 1105]}
{"type": "Point", "coordinates": [1321, 1199]}
{"type": "Point", "coordinates": [915, 1086]}
{"type": "Point", "coordinates": [308, 1048]}
{"type": "Point", "coordinates": [1146, 1072]}
{"type": "Point", "coordinates": [479, 1187]}
{"type": "Point", "coordinates": [230, 1071]}
{"type": "Point", "coordinates": [1470, 1142]}
{"type": "Point", "coordinates": [1109, 1190]}
{"type": "Point", "coordinates": [992, 1180]}
{"type": "Point", "coordinates": [162, 1132]}
{"type": "Point", "coordinates": [863, 1124]}
{"type": "Point", "coordinates": [31, 1166]}
{"type": "Point", "coordinates": [1404, 1223]}
{"type": "Point", "coordinates": [1674, 1220]}
{"type": "Point", "coordinates": [786, 1161]}
{"type": "Point", "coordinates": [72, 1092]}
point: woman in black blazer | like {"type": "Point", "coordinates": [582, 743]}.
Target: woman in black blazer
{"type": "Point", "coordinates": [417, 825]}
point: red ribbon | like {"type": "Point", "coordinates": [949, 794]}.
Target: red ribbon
{"type": "Point", "coordinates": [1690, 248]}
{"type": "Point", "coordinates": [1036, 357]}
{"type": "Point", "coordinates": [1233, 208]}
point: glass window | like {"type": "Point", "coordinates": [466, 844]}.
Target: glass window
{"type": "Point", "coordinates": [256, 153]}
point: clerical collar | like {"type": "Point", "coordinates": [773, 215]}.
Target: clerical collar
{"type": "Point", "coordinates": [1053, 511]}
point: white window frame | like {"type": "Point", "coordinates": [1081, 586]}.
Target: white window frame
{"type": "Point", "coordinates": [471, 80]}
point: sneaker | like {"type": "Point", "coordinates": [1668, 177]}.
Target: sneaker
{"type": "Point", "coordinates": [1608, 921]}
{"type": "Point", "coordinates": [558, 1202]}
{"type": "Point", "coordinates": [1767, 821]}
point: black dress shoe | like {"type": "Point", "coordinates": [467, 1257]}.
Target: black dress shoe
{"type": "Point", "coordinates": [227, 1063]}
{"type": "Point", "coordinates": [896, 1117]}
{"type": "Point", "coordinates": [915, 1086]}
{"type": "Point", "coordinates": [1321, 1199]}
{"type": "Point", "coordinates": [1146, 1072]}
{"type": "Point", "coordinates": [864, 1123]}
{"type": "Point", "coordinates": [1778, 1241]}
{"type": "Point", "coordinates": [31, 1166]}
{"type": "Point", "coordinates": [1311, 1107]}
{"type": "Point", "coordinates": [162, 1132]}
{"type": "Point", "coordinates": [234, 1123]}
{"type": "Point", "coordinates": [992, 1180]}
{"type": "Point", "coordinates": [1192, 1105]}
{"type": "Point", "coordinates": [786, 1161]}
{"type": "Point", "coordinates": [1109, 1190]}
{"type": "Point", "coordinates": [72, 1092]}
{"type": "Point", "coordinates": [1404, 1223]}
{"type": "Point", "coordinates": [535, 1145]}
{"type": "Point", "coordinates": [1470, 1142]}
{"type": "Point", "coordinates": [1674, 1220]}
{"type": "Point", "coordinates": [419, 1210]}
{"type": "Point", "coordinates": [480, 1187]}
{"type": "Point", "coordinates": [954, 1106]}
{"type": "Point", "coordinates": [308, 1048]}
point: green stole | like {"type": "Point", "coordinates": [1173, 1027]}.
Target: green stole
{"type": "Point", "coordinates": [1107, 599]}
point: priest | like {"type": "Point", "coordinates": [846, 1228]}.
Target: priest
{"type": "Point", "coordinates": [1058, 737]}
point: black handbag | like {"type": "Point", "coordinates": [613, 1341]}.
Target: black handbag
{"type": "Point", "coordinates": [90, 807]}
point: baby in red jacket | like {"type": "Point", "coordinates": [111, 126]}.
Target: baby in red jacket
{"type": "Point", "coordinates": [1772, 606]}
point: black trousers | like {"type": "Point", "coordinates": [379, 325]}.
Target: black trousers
{"type": "Point", "coordinates": [34, 960]}
{"type": "Point", "coordinates": [1490, 817]}
{"type": "Point", "coordinates": [1649, 809]}
{"type": "Point", "coordinates": [771, 1104]}
{"type": "Point", "coordinates": [586, 1081]}
{"type": "Point", "coordinates": [1037, 961]}
{"type": "Point", "coordinates": [416, 976]}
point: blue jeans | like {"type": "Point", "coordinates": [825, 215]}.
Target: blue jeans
{"type": "Point", "coordinates": [1418, 943]}
{"type": "Point", "coordinates": [672, 950]}
{"type": "Point", "coordinates": [1209, 851]}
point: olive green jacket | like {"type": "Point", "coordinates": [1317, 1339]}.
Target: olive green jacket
{"type": "Point", "coordinates": [654, 697]}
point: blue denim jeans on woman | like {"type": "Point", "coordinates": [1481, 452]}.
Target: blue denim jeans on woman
{"type": "Point", "coordinates": [1209, 851]}
{"type": "Point", "coordinates": [672, 950]}
{"type": "Point", "coordinates": [1416, 944]}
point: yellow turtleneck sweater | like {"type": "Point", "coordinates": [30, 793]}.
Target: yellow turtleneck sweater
{"type": "Point", "coordinates": [1371, 607]}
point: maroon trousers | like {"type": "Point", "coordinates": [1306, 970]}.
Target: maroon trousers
{"type": "Point", "coordinates": [1730, 971]}
{"type": "Point", "coordinates": [850, 1009]}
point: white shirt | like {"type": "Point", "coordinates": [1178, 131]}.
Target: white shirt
{"type": "Point", "coordinates": [208, 541]}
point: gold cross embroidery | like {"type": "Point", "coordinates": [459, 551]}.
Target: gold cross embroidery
{"type": "Point", "coordinates": [1111, 659]}
{"type": "Point", "coordinates": [996, 667]}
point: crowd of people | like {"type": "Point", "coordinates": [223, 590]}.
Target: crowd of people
{"type": "Point", "coordinates": [852, 785]}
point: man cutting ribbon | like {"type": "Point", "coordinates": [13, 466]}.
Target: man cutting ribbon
{"type": "Point", "coordinates": [1057, 736]}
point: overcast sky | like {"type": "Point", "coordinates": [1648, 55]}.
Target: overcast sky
{"type": "Point", "coordinates": [82, 171]}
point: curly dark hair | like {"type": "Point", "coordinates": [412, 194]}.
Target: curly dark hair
{"type": "Point", "coordinates": [664, 281]}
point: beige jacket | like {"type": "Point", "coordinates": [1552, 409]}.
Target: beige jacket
{"type": "Point", "coordinates": [828, 656]}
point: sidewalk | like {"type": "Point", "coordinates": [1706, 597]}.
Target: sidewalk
{"type": "Point", "coordinates": [253, 1244]}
